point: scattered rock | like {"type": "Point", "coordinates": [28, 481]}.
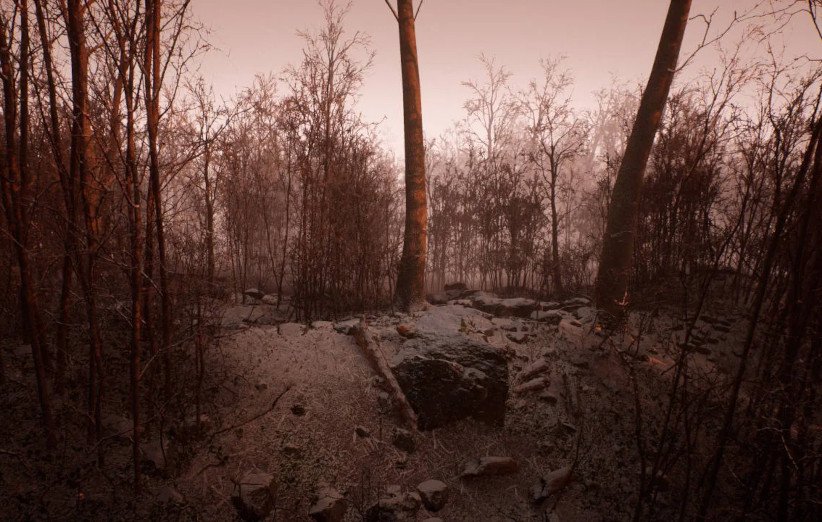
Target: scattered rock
{"type": "Point", "coordinates": [406, 330]}
{"type": "Point", "coordinates": [253, 495]}
{"type": "Point", "coordinates": [434, 494]}
{"type": "Point", "coordinates": [535, 368]}
{"type": "Point", "coordinates": [362, 432]}
{"type": "Point", "coordinates": [298, 410]}
{"type": "Point", "coordinates": [548, 316]}
{"type": "Point", "coordinates": [254, 293]}
{"type": "Point", "coordinates": [329, 507]}
{"type": "Point", "coordinates": [518, 337]}
{"type": "Point", "coordinates": [534, 384]}
{"type": "Point", "coordinates": [574, 303]}
{"type": "Point", "coordinates": [403, 440]}
{"type": "Point", "coordinates": [394, 506]}
{"type": "Point", "coordinates": [344, 327]}
{"type": "Point", "coordinates": [490, 466]}
{"type": "Point", "coordinates": [552, 483]}
{"type": "Point", "coordinates": [451, 377]}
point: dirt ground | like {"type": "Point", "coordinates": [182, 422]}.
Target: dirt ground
{"type": "Point", "coordinates": [326, 392]}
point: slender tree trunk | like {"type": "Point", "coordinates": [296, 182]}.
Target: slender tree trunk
{"type": "Point", "coordinates": [80, 167]}
{"type": "Point", "coordinates": [556, 266]}
{"type": "Point", "coordinates": [15, 190]}
{"type": "Point", "coordinates": [152, 74]}
{"type": "Point", "coordinates": [67, 185]}
{"type": "Point", "coordinates": [618, 244]}
{"type": "Point", "coordinates": [411, 277]}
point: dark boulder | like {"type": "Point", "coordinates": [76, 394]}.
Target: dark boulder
{"type": "Point", "coordinates": [451, 377]}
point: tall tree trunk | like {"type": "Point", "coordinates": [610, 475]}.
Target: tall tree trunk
{"type": "Point", "coordinates": [67, 185]}
{"type": "Point", "coordinates": [411, 277]}
{"type": "Point", "coordinates": [80, 168]}
{"type": "Point", "coordinates": [618, 243]}
{"type": "Point", "coordinates": [15, 190]}
{"type": "Point", "coordinates": [153, 80]}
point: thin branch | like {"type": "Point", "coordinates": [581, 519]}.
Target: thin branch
{"type": "Point", "coordinates": [393, 11]}
{"type": "Point", "coordinates": [417, 12]}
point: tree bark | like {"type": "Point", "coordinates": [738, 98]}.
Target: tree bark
{"type": "Point", "coordinates": [153, 80]}
{"type": "Point", "coordinates": [615, 263]}
{"type": "Point", "coordinates": [411, 277]}
{"type": "Point", "coordinates": [15, 189]}
{"type": "Point", "coordinates": [81, 163]}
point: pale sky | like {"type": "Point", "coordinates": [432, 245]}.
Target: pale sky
{"type": "Point", "coordinates": [602, 39]}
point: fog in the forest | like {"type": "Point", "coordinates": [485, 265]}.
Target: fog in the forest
{"type": "Point", "coordinates": [396, 260]}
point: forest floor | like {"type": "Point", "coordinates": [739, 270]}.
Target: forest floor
{"type": "Point", "coordinates": [301, 404]}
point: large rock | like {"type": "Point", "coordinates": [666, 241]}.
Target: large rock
{"type": "Point", "coordinates": [516, 306]}
{"type": "Point", "coordinates": [434, 494]}
{"type": "Point", "coordinates": [455, 290]}
{"type": "Point", "coordinates": [452, 377]}
{"type": "Point", "coordinates": [254, 495]}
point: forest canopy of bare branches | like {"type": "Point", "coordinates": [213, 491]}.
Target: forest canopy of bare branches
{"type": "Point", "coordinates": [673, 230]}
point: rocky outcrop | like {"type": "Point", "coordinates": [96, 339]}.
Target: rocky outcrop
{"type": "Point", "coordinates": [447, 377]}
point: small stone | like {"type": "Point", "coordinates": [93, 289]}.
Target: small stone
{"type": "Point", "coordinates": [344, 327]}
{"type": "Point", "coordinates": [517, 337]}
{"type": "Point", "coordinates": [406, 330]}
{"type": "Point", "coordinates": [403, 440]}
{"type": "Point", "coordinates": [362, 432]}
{"type": "Point", "coordinates": [552, 483]}
{"type": "Point", "coordinates": [291, 450]}
{"type": "Point", "coordinates": [261, 386]}
{"type": "Point", "coordinates": [394, 506]}
{"type": "Point", "coordinates": [298, 410]}
{"type": "Point", "coordinates": [253, 496]}
{"type": "Point", "coordinates": [329, 507]}
{"type": "Point", "coordinates": [254, 293]}
{"type": "Point", "coordinates": [490, 466]}
{"type": "Point", "coordinates": [434, 494]}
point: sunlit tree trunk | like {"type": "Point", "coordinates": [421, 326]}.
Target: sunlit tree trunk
{"type": "Point", "coordinates": [80, 166]}
{"type": "Point", "coordinates": [618, 243]}
{"type": "Point", "coordinates": [411, 278]}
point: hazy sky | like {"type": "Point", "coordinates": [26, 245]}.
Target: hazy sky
{"type": "Point", "coordinates": [601, 39]}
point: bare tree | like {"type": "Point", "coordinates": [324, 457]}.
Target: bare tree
{"type": "Point", "coordinates": [618, 244]}
{"type": "Point", "coordinates": [558, 136]}
{"type": "Point", "coordinates": [411, 278]}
